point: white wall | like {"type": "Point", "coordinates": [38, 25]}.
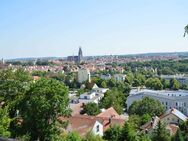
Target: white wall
{"type": "Point", "coordinates": [94, 130]}
{"type": "Point", "coordinates": [83, 75]}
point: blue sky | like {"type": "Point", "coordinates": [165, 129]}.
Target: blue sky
{"type": "Point", "coordinates": [33, 28]}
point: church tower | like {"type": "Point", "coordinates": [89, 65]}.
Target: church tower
{"type": "Point", "coordinates": [80, 55]}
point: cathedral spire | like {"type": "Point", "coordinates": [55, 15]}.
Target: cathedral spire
{"type": "Point", "coordinates": [80, 55]}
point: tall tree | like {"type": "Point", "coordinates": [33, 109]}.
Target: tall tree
{"type": "Point", "coordinates": [45, 101]}
{"type": "Point", "coordinates": [160, 133]}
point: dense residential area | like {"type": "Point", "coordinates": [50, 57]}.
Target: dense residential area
{"type": "Point", "coordinates": [73, 100]}
{"type": "Point", "coordinates": [93, 70]}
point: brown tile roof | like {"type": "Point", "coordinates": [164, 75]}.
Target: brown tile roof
{"type": "Point", "coordinates": [80, 123]}
{"type": "Point", "coordinates": [109, 113]}
{"type": "Point", "coordinates": [84, 123]}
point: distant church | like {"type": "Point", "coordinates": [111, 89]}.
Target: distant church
{"type": "Point", "coordinates": [77, 59]}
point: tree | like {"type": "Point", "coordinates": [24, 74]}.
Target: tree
{"type": "Point", "coordinates": [111, 83]}
{"type": "Point", "coordinates": [154, 83]}
{"type": "Point", "coordinates": [165, 83]}
{"type": "Point", "coordinates": [129, 78]}
{"type": "Point", "coordinates": [141, 78]}
{"type": "Point", "coordinates": [103, 84]}
{"type": "Point", "coordinates": [73, 136]}
{"type": "Point", "coordinates": [40, 108]}
{"type": "Point", "coordinates": [148, 106]}
{"type": "Point", "coordinates": [4, 122]}
{"type": "Point", "coordinates": [113, 98]}
{"type": "Point", "coordinates": [128, 133]}
{"type": "Point", "coordinates": [136, 83]}
{"type": "Point", "coordinates": [13, 86]}
{"type": "Point", "coordinates": [184, 128]}
{"type": "Point", "coordinates": [174, 84]}
{"type": "Point", "coordinates": [91, 137]}
{"type": "Point", "coordinates": [113, 133]}
{"type": "Point", "coordinates": [160, 133]}
{"type": "Point", "coordinates": [91, 109]}
{"type": "Point", "coordinates": [178, 136]}
{"type": "Point", "coordinates": [144, 138]}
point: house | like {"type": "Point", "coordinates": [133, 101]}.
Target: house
{"type": "Point", "coordinates": [95, 124]}
{"type": "Point", "coordinates": [106, 77]}
{"type": "Point", "coordinates": [120, 77]}
{"type": "Point", "coordinates": [171, 118]}
{"type": "Point", "coordinates": [182, 79]}
{"type": "Point", "coordinates": [110, 118]}
{"type": "Point", "coordinates": [100, 90]}
{"type": "Point", "coordinates": [90, 97]}
{"type": "Point", "coordinates": [84, 124]}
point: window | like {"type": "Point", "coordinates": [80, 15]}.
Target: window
{"type": "Point", "coordinates": [97, 128]}
{"type": "Point", "coordinates": [85, 97]}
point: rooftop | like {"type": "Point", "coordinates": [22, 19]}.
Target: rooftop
{"type": "Point", "coordinates": [169, 93]}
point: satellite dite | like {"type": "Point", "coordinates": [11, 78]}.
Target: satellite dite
{"type": "Point", "coordinates": [186, 31]}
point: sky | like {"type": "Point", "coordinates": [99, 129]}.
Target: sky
{"type": "Point", "coordinates": [41, 28]}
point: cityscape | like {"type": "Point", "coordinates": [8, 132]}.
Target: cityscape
{"type": "Point", "coordinates": [62, 80]}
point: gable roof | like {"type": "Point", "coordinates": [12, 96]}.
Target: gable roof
{"type": "Point", "coordinates": [109, 113]}
{"type": "Point", "coordinates": [80, 123]}
{"type": "Point", "coordinates": [175, 112]}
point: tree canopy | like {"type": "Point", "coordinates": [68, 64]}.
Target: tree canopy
{"type": "Point", "coordinates": [146, 106]}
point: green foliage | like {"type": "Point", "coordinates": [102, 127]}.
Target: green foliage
{"type": "Point", "coordinates": [91, 109]}
{"type": "Point", "coordinates": [144, 138]}
{"type": "Point", "coordinates": [135, 121]}
{"type": "Point", "coordinates": [165, 83]}
{"type": "Point", "coordinates": [4, 122]}
{"type": "Point", "coordinates": [178, 136]}
{"type": "Point", "coordinates": [184, 129]}
{"type": "Point", "coordinates": [160, 133]}
{"type": "Point", "coordinates": [42, 104]}
{"type": "Point", "coordinates": [174, 84]}
{"type": "Point", "coordinates": [113, 133]}
{"type": "Point", "coordinates": [146, 106]}
{"type": "Point", "coordinates": [91, 137]}
{"type": "Point", "coordinates": [73, 136]}
{"type": "Point", "coordinates": [129, 133]}
{"type": "Point", "coordinates": [103, 84]}
{"type": "Point", "coordinates": [154, 83]}
{"type": "Point", "coordinates": [113, 98]}
{"type": "Point", "coordinates": [129, 78]}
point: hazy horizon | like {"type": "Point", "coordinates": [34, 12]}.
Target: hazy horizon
{"type": "Point", "coordinates": [57, 28]}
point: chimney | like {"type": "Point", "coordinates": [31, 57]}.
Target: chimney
{"type": "Point", "coordinates": [110, 120]}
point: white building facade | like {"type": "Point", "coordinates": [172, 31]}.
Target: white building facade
{"type": "Point", "coordinates": [120, 77]}
{"type": "Point", "coordinates": [84, 75]}
{"type": "Point", "coordinates": [170, 99]}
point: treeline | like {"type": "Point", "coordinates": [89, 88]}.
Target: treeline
{"type": "Point", "coordinates": [166, 67]}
